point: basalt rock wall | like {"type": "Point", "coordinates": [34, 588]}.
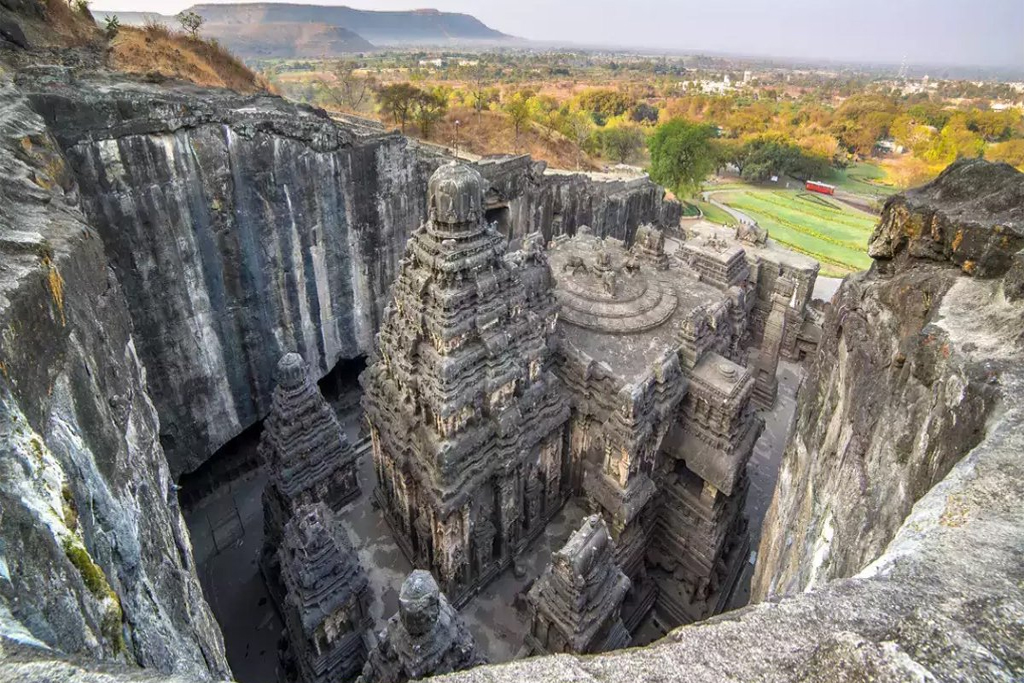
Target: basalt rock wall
{"type": "Point", "coordinates": [95, 559]}
{"type": "Point", "coordinates": [559, 203]}
{"type": "Point", "coordinates": [892, 402]}
{"type": "Point", "coordinates": [242, 228]}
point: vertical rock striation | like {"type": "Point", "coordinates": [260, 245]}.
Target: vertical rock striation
{"type": "Point", "coordinates": [95, 559]}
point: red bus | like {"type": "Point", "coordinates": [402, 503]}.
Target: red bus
{"type": "Point", "coordinates": [823, 188]}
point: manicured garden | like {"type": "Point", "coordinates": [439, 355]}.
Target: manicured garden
{"type": "Point", "coordinates": [811, 224]}
{"type": "Point", "coordinates": [864, 179]}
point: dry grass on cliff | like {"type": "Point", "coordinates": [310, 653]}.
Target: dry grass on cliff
{"type": "Point", "coordinates": [157, 49]}
{"type": "Point", "coordinates": [64, 26]}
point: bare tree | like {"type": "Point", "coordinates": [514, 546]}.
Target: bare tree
{"type": "Point", "coordinates": [191, 22]}
{"type": "Point", "coordinates": [478, 89]}
{"type": "Point", "coordinates": [580, 129]}
{"type": "Point", "coordinates": [349, 89]}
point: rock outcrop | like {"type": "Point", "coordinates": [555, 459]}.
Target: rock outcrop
{"type": "Point", "coordinates": [95, 559]}
{"type": "Point", "coordinates": [893, 401]}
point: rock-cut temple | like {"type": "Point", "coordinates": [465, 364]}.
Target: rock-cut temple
{"type": "Point", "coordinates": [506, 383]}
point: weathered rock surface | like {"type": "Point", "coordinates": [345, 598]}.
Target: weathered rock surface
{"type": "Point", "coordinates": [95, 559]}
{"type": "Point", "coordinates": [242, 228]}
{"type": "Point", "coordinates": [971, 215]}
{"type": "Point", "coordinates": [893, 402]}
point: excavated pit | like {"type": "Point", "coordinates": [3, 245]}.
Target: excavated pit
{"type": "Point", "coordinates": [221, 503]}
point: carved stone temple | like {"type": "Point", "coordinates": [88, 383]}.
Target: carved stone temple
{"type": "Point", "coordinates": [466, 417]}
{"type": "Point", "coordinates": [327, 601]}
{"type": "Point", "coordinates": [575, 605]}
{"type": "Point", "coordinates": [306, 454]}
{"type": "Point", "coordinates": [426, 637]}
{"type": "Point", "coordinates": [506, 383]}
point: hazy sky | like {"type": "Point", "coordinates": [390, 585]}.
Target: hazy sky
{"type": "Point", "coordinates": [982, 32]}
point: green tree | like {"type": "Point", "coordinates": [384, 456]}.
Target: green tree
{"type": "Point", "coordinates": [428, 107]}
{"type": "Point", "coordinates": [644, 113]}
{"type": "Point", "coordinates": [768, 156]}
{"type": "Point", "coordinates": [517, 106]}
{"type": "Point", "coordinates": [603, 104]}
{"type": "Point", "coordinates": [622, 143]}
{"type": "Point", "coordinates": [953, 142]}
{"type": "Point", "coordinates": [682, 154]}
{"type": "Point", "coordinates": [113, 25]}
{"type": "Point", "coordinates": [396, 101]}
{"type": "Point", "coordinates": [1011, 151]}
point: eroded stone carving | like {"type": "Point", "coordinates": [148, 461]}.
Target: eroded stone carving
{"type": "Point", "coordinates": [327, 604]}
{"type": "Point", "coordinates": [426, 637]}
{"type": "Point", "coordinates": [465, 416]}
{"type": "Point", "coordinates": [576, 603]}
{"type": "Point", "coordinates": [307, 456]}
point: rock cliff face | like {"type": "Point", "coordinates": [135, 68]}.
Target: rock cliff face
{"type": "Point", "coordinates": [892, 401]}
{"type": "Point", "coordinates": [244, 228]}
{"type": "Point", "coordinates": [95, 559]}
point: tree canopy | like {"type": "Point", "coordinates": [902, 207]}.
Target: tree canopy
{"type": "Point", "coordinates": [682, 154]}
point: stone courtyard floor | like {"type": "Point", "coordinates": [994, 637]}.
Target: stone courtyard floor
{"type": "Point", "coordinates": [227, 533]}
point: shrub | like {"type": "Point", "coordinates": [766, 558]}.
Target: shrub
{"type": "Point", "coordinates": [113, 25]}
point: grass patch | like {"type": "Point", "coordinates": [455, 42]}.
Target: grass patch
{"type": "Point", "coordinates": [716, 215]}
{"type": "Point", "coordinates": [865, 179]}
{"type": "Point", "coordinates": [834, 235]}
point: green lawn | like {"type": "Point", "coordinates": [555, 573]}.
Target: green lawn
{"type": "Point", "coordinates": [715, 214]}
{"type": "Point", "coordinates": [864, 179]}
{"type": "Point", "coordinates": [810, 224]}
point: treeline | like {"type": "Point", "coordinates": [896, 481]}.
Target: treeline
{"type": "Point", "coordinates": [762, 132]}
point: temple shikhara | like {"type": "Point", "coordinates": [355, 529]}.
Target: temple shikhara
{"type": "Point", "coordinates": [327, 604]}
{"type": "Point", "coordinates": [575, 605]}
{"type": "Point", "coordinates": [619, 375]}
{"type": "Point", "coordinates": [307, 456]}
{"type": "Point", "coordinates": [466, 416]}
{"type": "Point", "coordinates": [426, 637]}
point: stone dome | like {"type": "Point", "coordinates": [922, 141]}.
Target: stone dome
{"type": "Point", "coordinates": [455, 196]}
{"type": "Point", "coordinates": [291, 371]}
{"type": "Point", "coordinates": [419, 602]}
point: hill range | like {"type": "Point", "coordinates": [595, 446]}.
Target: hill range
{"type": "Point", "coordinates": [264, 30]}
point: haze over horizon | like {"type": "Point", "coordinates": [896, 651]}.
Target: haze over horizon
{"type": "Point", "coordinates": [954, 32]}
